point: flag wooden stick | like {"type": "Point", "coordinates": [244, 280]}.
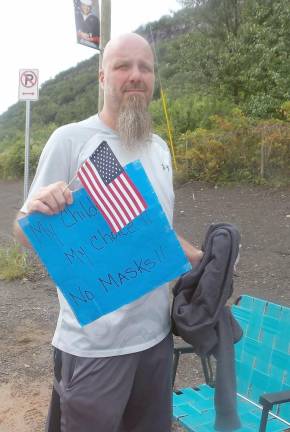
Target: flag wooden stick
{"type": "Point", "coordinates": [68, 185]}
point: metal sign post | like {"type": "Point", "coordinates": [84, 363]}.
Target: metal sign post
{"type": "Point", "coordinates": [28, 91]}
{"type": "Point", "coordinates": [27, 148]}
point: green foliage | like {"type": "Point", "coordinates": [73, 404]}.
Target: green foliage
{"type": "Point", "coordinates": [240, 49]}
{"type": "Point", "coordinates": [285, 110]}
{"type": "Point", "coordinates": [14, 263]}
{"type": "Point", "coordinates": [188, 112]}
{"type": "Point", "coordinates": [12, 158]}
{"type": "Point", "coordinates": [231, 150]}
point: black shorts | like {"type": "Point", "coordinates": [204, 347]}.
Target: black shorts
{"type": "Point", "coordinates": [127, 393]}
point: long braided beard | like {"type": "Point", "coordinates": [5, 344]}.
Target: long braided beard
{"type": "Point", "coordinates": [134, 122]}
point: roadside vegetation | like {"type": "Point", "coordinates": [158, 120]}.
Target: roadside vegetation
{"type": "Point", "coordinates": [17, 262]}
{"type": "Point", "coordinates": [14, 262]}
{"type": "Point", "coordinates": [224, 67]}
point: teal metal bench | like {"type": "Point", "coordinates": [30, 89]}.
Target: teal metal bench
{"type": "Point", "coordinates": [262, 369]}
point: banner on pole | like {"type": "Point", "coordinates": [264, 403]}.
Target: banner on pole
{"type": "Point", "coordinates": [99, 271]}
{"type": "Point", "coordinates": [87, 19]}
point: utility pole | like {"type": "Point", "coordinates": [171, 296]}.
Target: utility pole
{"type": "Point", "coordinates": [105, 37]}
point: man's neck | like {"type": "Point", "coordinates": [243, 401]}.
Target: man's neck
{"type": "Point", "coordinates": [109, 119]}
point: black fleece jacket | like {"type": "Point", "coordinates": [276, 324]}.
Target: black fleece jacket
{"type": "Point", "coordinates": [200, 315]}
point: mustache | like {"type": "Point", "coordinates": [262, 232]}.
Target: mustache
{"type": "Point", "coordinates": [135, 86]}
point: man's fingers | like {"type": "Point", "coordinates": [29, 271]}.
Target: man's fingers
{"type": "Point", "coordinates": [59, 199]}
{"type": "Point", "coordinates": [68, 196]}
{"type": "Point", "coordinates": [51, 199]}
{"type": "Point", "coordinates": [39, 206]}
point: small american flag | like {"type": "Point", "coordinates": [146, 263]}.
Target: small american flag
{"type": "Point", "coordinates": [110, 188]}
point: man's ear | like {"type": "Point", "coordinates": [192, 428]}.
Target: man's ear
{"type": "Point", "coordinates": [101, 78]}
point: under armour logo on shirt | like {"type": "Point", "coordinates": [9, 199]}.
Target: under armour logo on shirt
{"type": "Point", "coordinates": [165, 167]}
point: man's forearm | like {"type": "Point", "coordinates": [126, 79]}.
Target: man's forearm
{"type": "Point", "coordinates": [18, 233]}
{"type": "Point", "coordinates": [193, 254]}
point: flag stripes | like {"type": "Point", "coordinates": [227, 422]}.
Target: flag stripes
{"type": "Point", "coordinates": [105, 196]}
{"type": "Point", "coordinates": [87, 183]}
{"type": "Point", "coordinates": [118, 197]}
{"type": "Point", "coordinates": [138, 197]}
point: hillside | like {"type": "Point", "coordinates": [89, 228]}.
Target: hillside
{"type": "Point", "coordinates": [224, 66]}
{"type": "Point", "coordinates": [73, 94]}
{"type": "Point", "coordinates": [62, 99]}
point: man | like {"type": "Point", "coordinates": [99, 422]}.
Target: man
{"type": "Point", "coordinates": [87, 23]}
{"type": "Point", "coordinates": [115, 371]}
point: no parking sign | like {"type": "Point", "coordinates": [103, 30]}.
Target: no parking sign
{"type": "Point", "coordinates": [28, 84]}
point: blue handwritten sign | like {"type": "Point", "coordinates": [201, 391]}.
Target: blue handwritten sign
{"type": "Point", "coordinates": [96, 270]}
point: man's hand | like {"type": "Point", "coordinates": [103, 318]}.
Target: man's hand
{"type": "Point", "coordinates": [48, 200]}
{"type": "Point", "coordinates": [193, 254]}
{"type": "Point", "coordinates": [51, 199]}
{"type": "Point", "coordinates": [84, 35]}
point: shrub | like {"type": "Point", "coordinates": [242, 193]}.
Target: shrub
{"type": "Point", "coordinates": [14, 262]}
{"type": "Point", "coordinates": [12, 158]}
{"type": "Point", "coordinates": [236, 148]}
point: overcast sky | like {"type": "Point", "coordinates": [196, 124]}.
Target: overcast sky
{"type": "Point", "coordinates": [40, 34]}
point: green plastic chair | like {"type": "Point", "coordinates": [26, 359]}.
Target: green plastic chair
{"type": "Point", "coordinates": [262, 369]}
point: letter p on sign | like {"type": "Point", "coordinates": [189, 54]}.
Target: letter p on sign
{"type": "Point", "coordinates": [28, 84]}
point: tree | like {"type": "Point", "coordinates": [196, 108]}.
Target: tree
{"type": "Point", "coordinates": [240, 49]}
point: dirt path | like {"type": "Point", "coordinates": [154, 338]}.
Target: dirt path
{"type": "Point", "coordinates": [29, 309]}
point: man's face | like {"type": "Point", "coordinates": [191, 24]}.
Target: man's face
{"type": "Point", "coordinates": [85, 9]}
{"type": "Point", "coordinates": [127, 71]}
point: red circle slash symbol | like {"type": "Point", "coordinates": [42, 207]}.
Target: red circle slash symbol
{"type": "Point", "coordinates": [28, 79]}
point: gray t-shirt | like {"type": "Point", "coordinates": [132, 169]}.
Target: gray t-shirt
{"type": "Point", "coordinates": [145, 322]}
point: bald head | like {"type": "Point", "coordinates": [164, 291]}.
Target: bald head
{"type": "Point", "coordinates": [126, 42]}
